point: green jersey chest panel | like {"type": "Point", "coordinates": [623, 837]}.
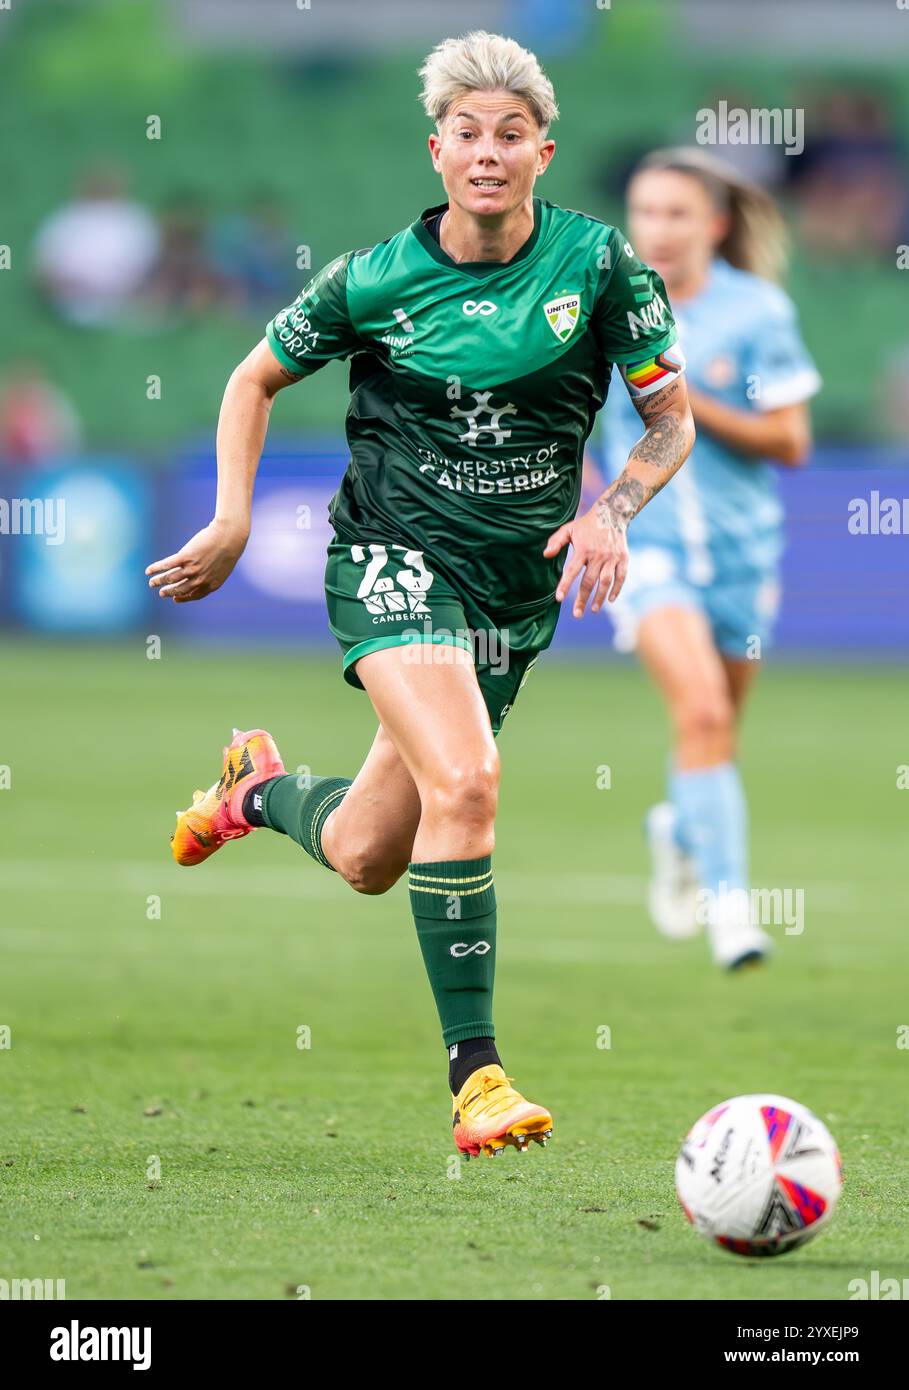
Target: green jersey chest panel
{"type": "Point", "coordinates": [529, 340]}
{"type": "Point", "coordinates": [473, 388]}
{"type": "Point", "coordinates": [438, 321]}
{"type": "Point", "coordinates": [509, 360]}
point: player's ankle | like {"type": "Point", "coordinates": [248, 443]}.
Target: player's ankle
{"type": "Point", "coordinates": [254, 800]}
{"type": "Point", "coordinates": [467, 1056]}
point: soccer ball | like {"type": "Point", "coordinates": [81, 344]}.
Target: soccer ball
{"type": "Point", "coordinates": [759, 1175]}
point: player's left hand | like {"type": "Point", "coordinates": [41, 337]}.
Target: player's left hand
{"type": "Point", "coordinates": [600, 549]}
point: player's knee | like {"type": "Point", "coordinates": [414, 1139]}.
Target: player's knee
{"type": "Point", "coordinates": [707, 714]}
{"type": "Point", "coordinates": [368, 870]}
{"type": "Point", "coordinates": [466, 792]}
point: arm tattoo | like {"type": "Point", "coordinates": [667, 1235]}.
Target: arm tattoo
{"type": "Point", "coordinates": [621, 503]}
{"type": "Point", "coordinates": [650, 407]}
{"type": "Point", "coordinates": [661, 445]}
{"type": "Point", "coordinates": [658, 455]}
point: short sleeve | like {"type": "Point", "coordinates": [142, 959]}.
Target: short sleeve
{"type": "Point", "coordinates": [777, 360]}
{"type": "Point", "coordinates": [317, 327]}
{"type": "Point", "coordinates": [632, 311]}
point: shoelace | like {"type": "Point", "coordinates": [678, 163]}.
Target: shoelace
{"type": "Point", "coordinates": [227, 834]}
{"type": "Point", "coordinates": [484, 1100]}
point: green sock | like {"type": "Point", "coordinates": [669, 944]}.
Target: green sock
{"type": "Point", "coordinates": [454, 908]}
{"type": "Point", "coordinates": [301, 811]}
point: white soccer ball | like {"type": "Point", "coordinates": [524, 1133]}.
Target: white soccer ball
{"type": "Point", "coordinates": [759, 1175]}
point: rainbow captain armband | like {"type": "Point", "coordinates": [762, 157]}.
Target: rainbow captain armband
{"type": "Point", "coordinates": [652, 373]}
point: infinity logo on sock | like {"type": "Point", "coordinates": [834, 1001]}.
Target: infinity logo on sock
{"type": "Point", "coordinates": [461, 948]}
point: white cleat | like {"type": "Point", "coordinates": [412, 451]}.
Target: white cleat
{"type": "Point", "coordinates": [734, 938]}
{"type": "Point", "coordinates": [672, 896]}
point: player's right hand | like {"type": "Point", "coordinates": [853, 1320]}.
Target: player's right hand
{"type": "Point", "coordinates": [599, 548]}
{"type": "Point", "coordinates": [201, 566]}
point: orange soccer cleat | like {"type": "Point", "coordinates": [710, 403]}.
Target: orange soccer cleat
{"type": "Point", "coordinates": [488, 1114]}
{"type": "Point", "coordinates": [217, 815]}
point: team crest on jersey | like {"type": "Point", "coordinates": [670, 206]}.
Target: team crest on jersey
{"type": "Point", "coordinates": [562, 315]}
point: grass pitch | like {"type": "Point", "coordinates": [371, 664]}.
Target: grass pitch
{"type": "Point", "coordinates": [162, 1134]}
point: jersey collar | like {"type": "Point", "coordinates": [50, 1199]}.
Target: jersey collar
{"type": "Point", "coordinates": [477, 268]}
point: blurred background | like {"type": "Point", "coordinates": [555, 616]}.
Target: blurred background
{"type": "Point", "coordinates": [174, 171]}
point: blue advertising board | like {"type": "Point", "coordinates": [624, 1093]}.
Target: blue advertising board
{"type": "Point", "coordinates": [74, 546]}
{"type": "Point", "coordinates": [275, 594]}
{"type": "Point", "coordinates": [72, 557]}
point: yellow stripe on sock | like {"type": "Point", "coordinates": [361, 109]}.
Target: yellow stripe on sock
{"type": "Point", "coordinates": [451, 893]}
{"type": "Point", "coordinates": [317, 848]}
{"type": "Point", "coordinates": [426, 878]}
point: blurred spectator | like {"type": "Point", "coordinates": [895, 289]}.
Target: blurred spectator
{"type": "Point", "coordinates": [36, 420]}
{"type": "Point", "coordinates": [93, 253]}
{"type": "Point", "coordinates": [850, 182]}
{"type": "Point", "coordinates": [184, 277]}
{"type": "Point", "coordinates": [255, 253]}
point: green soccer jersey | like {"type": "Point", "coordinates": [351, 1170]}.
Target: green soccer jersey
{"type": "Point", "coordinates": [474, 387]}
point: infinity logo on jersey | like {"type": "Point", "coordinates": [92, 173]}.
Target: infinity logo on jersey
{"type": "Point", "coordinates": [461, 948]}
{"type": "Point", "coordinates": [485, 307]}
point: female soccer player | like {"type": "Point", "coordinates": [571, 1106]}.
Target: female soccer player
{"type": "Point", "coordinates": [703, 589]}
{"type": "Point", "coordinates": [481, 340]}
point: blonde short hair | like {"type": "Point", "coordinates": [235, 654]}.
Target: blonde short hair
{"type": "Point", "coordinates": [481, 62]}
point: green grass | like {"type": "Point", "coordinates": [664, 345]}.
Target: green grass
{"type": "Point", "coordinates": [329, 1167]}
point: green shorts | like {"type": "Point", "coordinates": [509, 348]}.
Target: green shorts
{"type": "Point", "coordinates": [385, 594]}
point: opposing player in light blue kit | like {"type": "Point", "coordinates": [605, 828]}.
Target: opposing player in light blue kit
{"type": "Point", "coordinates": [703, 587]}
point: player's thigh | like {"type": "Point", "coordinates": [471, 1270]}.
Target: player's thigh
{"type": "Point", "coordinates": [430, 704]}
{"type": "Point", "coordinates": [677, 648]}
{"type": "Point", "coordinates": [376, 822]}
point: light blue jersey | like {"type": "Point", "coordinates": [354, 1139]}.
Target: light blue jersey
{"type": "Point", "coordinates": [715, 531]}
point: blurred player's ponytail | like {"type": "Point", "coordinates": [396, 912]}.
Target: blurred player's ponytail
{"type": "Point", "coordinates": [757, 239]}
